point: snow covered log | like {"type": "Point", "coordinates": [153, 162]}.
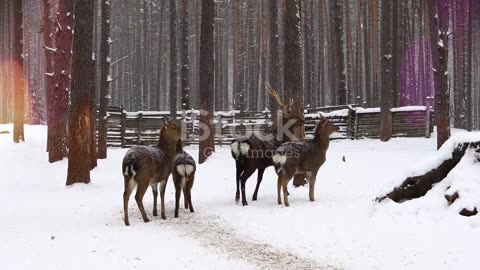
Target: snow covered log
{"type": "Point", "coordinates": [449, 156]}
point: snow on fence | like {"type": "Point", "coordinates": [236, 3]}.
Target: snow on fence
{"type": "Point", "coordinates": [126, 129]}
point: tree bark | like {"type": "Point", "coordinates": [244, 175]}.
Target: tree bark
{"type": "Point", "coordinates": [207, 76]}
{"type": "Point", "coordinates": [18, 76]}
{"type": "Point", "coordinates": [4, 57]}
{"type": "Point", "coordinates": [185, 58]}
{"type": "Point", "coordinates": [173, 59]}
{"type": "Point", "coordinates": [80, 135]}
{"type": "Point", "coordinates": [104, 83]}
{"type": "Point", "coordinates": [274, 67]}
{"type": "Point", "coordinates": [61, 69]}
{"type": "Point", "coordinates": [339, 64]}
{"type": "Point", "coordinates": [294, 68]}
{"type": "Point", "coordinates": [49, 44]}
{"type": "Point", "coordinates": [387, 75]}
{"type": "Point", "coordinates": [440, 62]}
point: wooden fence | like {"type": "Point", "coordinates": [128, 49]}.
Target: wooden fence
{"type": "Point", "coordinates": [126, 129]}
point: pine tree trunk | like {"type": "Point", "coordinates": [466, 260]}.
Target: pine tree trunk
{"type": "Point", "coordinates": [49, 44]}
{"type": "Point", "coordinates": [440, 62]}
{"type": "Point", "coordinates": [173, 59]}
{"type": "Point", "coordinates": [387, 76]}
{"type": "Point", "coordinates": [185, 63]}
{"type": "Point", "coordinates": [339, 64]}
{"type": "Point", "coordinates": [207, 76]}
{"type": "Point", "coordinates": [294, 68]}
{"type": "Point", "coordinates": [19, 81]}
{"type": "Point", "coordinates": [469, 70]}
{"type": "Point", "coordinates": [104, 82]}
{"type": "Point", "coordinates": [80, 129]}
{"type": "Point", "coordinates": [61, 68]}
{"type": "Point", "coordinates": [274, 60]}
{"type": "Point", "coordinates": [3, 57]}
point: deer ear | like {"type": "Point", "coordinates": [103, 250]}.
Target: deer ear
{"type": "Point", "coordinates": [163, 120]}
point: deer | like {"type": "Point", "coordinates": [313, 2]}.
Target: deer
{"type": "Point", "coordinates": [254, 152]}
{"type": "Point", "coordinates": [183, 175]}
{"type": "Point", "coordinates": [305, 157]}
{"type": "Point", "coordinates": [145, 166]}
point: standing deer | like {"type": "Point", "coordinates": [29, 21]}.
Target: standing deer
{"type": "Point", "coordinates": [145, 166]}
{"type": "Point", "coordinates": [254, 152]}
{"type": "Point", "coordinates": [183, 176]}
{"type": "Point", "coordinates": [293, 158]}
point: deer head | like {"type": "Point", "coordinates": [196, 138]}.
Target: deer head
{"type": "Point", "coordinates": [170, 131]}
{"type": "Point", "coordinates": [287, 109]}
{"type": "Point", "coordinates": [324, 126]}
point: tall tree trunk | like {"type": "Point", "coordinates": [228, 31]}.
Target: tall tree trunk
{"type": "Point", "coordinates": [469, 70]}
{"type": "Point", "coordinates": [19, 82]}
{"type": "Point", "coordinates": [4, 57]}
{"type": "Point", "coordinates": [173, 59]}
{"type": "Point", "coordinates": [61, 70]}
{"type": "Point", "coordinates": [274, 59]}
{"type": "Point", "coordinates": [260, 63]}
{"type": "Point", "coordinates": [49, 44]}
{"type": "Point", "coordinates": [105, 79]}
{"type": "Point", "coordinates": [439, 29]}
{"type": "Point", "coordinates": [207, 76]}
{"type": "Point", "coordinates": [185, 61]}
{"type": "Point", "coordinates": [160, 78]}
{"type": "Point", "coordinates": [339, 63]}
{"type": "Point", "coordinates": [80, 135]}
{"type": "Point", "coordinates": [294, 67]}
{"type": "Point", "coordinates": [387, 75]}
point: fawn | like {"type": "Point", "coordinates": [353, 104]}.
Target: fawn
{"type": "Point", "coordinates": [183, 174]}
{"type": "Point", "coordinates": [145, 166]}
{"type": "Point", "coordinates": [293, 158]}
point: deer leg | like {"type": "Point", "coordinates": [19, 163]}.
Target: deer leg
{"type": "Point", "coordinates": [243, 179]}
{"type": "Point", "coordinates": [178, 191]}
{"type": "Point", "coordinates": [155, 198]}
{"type": "Point", "coordinates": [285, 191]}
{"type": "Point", "coordinates": [261, 171]}
{"type": "Point", "coordinates": [279, 188]}
{"type": "Point", "coordinates": [163, 185]}
{"type": "Point", "coordinates": [239, 173]}
{"type": "Point", "coordinates": [189, 192]}
{"type": "Point", "coordinates": [311, 185]}
{"type": "Point", "coordinates": [126, 197]}
{"type": "Point", "coordinates": [185, 199]}
{"type": "Point", "coordinates": [141, 189]}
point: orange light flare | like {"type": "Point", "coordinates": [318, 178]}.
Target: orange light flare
{"type": "Point", "coordinates": [13, 81]}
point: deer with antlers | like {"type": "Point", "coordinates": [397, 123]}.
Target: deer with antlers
{"type": "Point", "coordinates": [255, 151]}
{"type": "Point", "coordinates": [145, 166]}
{"type": "Point", "coordinates": [304, 157]}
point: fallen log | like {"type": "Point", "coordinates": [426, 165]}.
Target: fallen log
{"type": "Point", "coordinates": [417, 186]}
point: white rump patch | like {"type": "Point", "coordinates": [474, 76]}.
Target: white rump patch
{"type": "Point", "coordinates": [279, 159]}
{"type": "Point", "coordinates": [188, 170]}
{"type": "Point", "coordinates": [235, 150]}
{"type": "Point", "coordinates": [181, 170]}
{"type": "Point", "coordinates": [132, 184]}
{"type": "Point", "coordinates": [185, 170]}
{"type": "Point", "coordinates": [244, 147]}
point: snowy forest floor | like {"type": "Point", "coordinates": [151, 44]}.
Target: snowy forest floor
{"type": "Point", "coordinates": [46, 225]}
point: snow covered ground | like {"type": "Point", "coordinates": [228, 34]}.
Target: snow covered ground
{"type": "Point", "coordinates": [46, 225]}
